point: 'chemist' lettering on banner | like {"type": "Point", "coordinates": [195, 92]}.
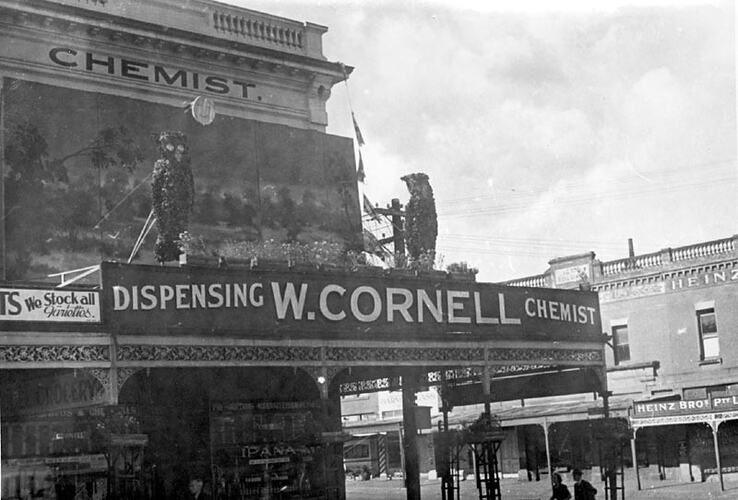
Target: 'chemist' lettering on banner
{"type": "Point", "coordinates": [263, 302]}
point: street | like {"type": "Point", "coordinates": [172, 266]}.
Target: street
{"type": "Point", "coordinates": [512, 489]}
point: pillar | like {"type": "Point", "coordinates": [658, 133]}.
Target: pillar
{"type": "Point", "coordinates": [715, 425]}
{"type": "Point", "coordinates": [410, 442]}
{"type": "Point", "coordinates": [3, 272]}
{"type": "Point", "coordinates": [548, 451]}
{"type": "Point", "coordinates": [486, 389]}
{"type": "Point", "coordinates": [398, 229]}
{"type": "Point", "coordinates": [634, 458]}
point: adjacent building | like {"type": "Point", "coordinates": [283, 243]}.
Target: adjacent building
{"type": "Point", "coordinates": [672, 367]}
{"type": "Point", "coordinates": [125, 379]}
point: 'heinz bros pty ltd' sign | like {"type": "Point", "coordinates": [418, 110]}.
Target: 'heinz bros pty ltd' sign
{"type": "Point", "coordinates": [152, 299]}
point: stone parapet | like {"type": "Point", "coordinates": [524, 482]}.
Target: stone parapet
{"type": "Point", "coordinates": [665, 260]}
{"type": "Point", "coordinates": [215, 19]}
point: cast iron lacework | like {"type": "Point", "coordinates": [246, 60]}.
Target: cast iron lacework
{"type": "Point", "coordinates": [124, 374]}
{"type": "Point", "coordinates": [403, 354]}
{"type": "Point", "coordinates": [216, 353]}
{"type": "Point", "coordinates": [363, 386]}
{"type": "Point", "coordinates": [507, 369]}
{"type": "Point", "coordinates": [102, 375]}
{"type": "Point", "coordinates": [543, 355]}
{"type": "Point", "coordinates": [50, 353]}
{"type": "Point", "coordinates": [317, 371]}
{"type": "Point", "coordinates": [455, 375]}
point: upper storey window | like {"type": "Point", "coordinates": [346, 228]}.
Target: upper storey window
{"type": "Point", "coordinates": [621, 343]}
{"type": "Point", "coordinates": [708, 331]}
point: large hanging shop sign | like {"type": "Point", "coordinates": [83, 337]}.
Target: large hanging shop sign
{"type": "Point", "coordinates": [150, 299]}
{"type": "Point", "coordinates": [49, 305]}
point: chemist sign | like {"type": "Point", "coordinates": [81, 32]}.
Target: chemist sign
{"type": "Point", "coordinates": [49, 305]}
{"type": "Point", "coordinates": [155, 299]}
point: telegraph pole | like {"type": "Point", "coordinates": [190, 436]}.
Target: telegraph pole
{"type": "Point", "coordinates": [397, 216]}
{"type": "Point", "coordinates": [410, 377]}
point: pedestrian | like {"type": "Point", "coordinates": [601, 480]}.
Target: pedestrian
{"type": "Point", "coordinates": [560, 491]}
{"type": "Point", "coordinates": [195, 488]}
{"type": "Point", "coordinates": [583, 490]}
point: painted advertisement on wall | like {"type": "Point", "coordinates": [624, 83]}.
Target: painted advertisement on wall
{"type": "Point", "coordinates": [78, 179]}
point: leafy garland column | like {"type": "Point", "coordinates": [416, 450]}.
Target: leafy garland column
{"type": "Point", "coordinates": [173, 194]}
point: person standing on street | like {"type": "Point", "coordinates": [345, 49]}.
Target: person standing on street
{"type": "Point", "coordinates": [583, 490]}
{"type": "Point", "coordinates": [195, 488]}
{"type": "Point", "coordinates": [560, 491]}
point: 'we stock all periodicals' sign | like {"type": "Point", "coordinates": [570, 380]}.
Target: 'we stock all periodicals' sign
{"type": "Point", "coordinates": [49, 305]}
{"type": "Point", "coordinates": [155, 299]}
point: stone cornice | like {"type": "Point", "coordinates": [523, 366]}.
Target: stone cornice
{"type": "Point", "coordinates": [52, 17]}
{"type": "Point", "coordinates": [661, 275]}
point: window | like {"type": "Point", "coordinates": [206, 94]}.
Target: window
{"type": "Point", "coordinates": [391, 414]}
{"type": "Point", "coordinates": [620, 343]}
{"type": "Point", "coordinates": [691, 393]}
{"type": "Point", "coordinates": [356, 451]}
{"type": "Point", "coordinates": [718, 391]}
{"type": "Point", "coordinates": [707, 326]}
{"type": "Point", "coordinates": [711, 392]}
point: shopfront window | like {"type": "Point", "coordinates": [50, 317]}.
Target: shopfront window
{"type": "Point", "coordinates": [708, 331]}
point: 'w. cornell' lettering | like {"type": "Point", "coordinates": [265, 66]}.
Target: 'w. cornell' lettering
{"type": "Point", "coordinates": [143, 71]}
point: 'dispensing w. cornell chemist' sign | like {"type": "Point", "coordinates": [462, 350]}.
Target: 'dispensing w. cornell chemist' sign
{"type": "Point", "coordinates": [157, 300]}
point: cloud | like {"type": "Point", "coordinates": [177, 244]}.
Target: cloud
{"type": "Point", "coordinates": [595, 124]}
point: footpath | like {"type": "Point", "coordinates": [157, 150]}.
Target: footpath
{"type": "Point", "coordinates": [513, 489]}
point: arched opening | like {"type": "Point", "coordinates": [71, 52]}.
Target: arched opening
{"type": "Point", "coordinates": [51, 446]}
{"type": "Point", "coordinates": [246, 432]}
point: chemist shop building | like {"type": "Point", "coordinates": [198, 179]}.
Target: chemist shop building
{"type": "Point", "coordinates": [122, 378]}
{"type": "Point", "coordinates": [672, 369]}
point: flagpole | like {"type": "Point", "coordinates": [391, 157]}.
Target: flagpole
{"type": "Point", "coordinates": [360, 175]}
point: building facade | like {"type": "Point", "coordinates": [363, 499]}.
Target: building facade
{"type": "Point", "coordinates": [124, 379]}
{"type": "Point", "coordinates": [672, 367]}
{"type": "Point", "coordinates": [89, 91]}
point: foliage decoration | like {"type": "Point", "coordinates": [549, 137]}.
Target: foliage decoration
{"type": "Point", "coordinates": [461, 268]}
{"type": "Point", "coordinates": [421, 220]}
{"type": "Point", "coordinates": [291, 253]}
{"type": "Point", "coordinates": [173, 194]}
{"type": "Point", "coordinates": [486, 428]}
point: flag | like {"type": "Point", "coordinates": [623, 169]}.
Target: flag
{"type": "Point", "coordinates": [369, 209]}
{"type": "Point", "coordinates": [360, 175]}
{"type": "Point", "coordinates": [359, 137]}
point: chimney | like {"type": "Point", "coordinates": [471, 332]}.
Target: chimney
{"type": "Point", "coordinates": [631, 253]}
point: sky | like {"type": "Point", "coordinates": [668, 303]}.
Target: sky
{"type": "Point", "coordinates": [547, 129]}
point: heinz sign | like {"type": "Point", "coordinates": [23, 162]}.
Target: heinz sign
{"type": "Point", "coordinates": [151, 299]}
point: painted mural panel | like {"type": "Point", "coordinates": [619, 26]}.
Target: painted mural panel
{"type": "Point", "coordinates": [78, 169]}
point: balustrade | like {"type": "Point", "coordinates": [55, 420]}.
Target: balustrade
{"type": "Point", "coordinates": [703, 249]}
{"type": "Point", "coordinates": [282, 33]}
{"type": "Point", "coordinates": [532, 281]}
{"type": "Point", "coordinates": [655, 259]}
